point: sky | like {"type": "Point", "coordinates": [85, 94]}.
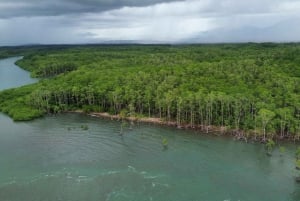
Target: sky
{"type": "Point", "coordinates": [148, 21]}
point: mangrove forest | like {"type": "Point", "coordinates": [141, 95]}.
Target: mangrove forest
{"type": "Point", "coordinates": [251, 90]}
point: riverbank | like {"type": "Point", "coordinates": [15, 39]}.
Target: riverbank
{"type": "Point", "coordinates": [213, 130]}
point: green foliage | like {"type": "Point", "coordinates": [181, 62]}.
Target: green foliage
{"type": "Point", "coordinates": [298, 153]}
{"type": "Point", "coordinates": [124, 113]}
{"type": "Point", "coordinates": [165, 142]}
{"type": "Point", "coordinates": [84, 127]}
{"type": "Point", "coordinates": [298, 158]}
{"type": "Point", "coordinates": [123, 125]}
{"type": "Point", "coordinates": [265, 117]}
{"type": "Point", "coordinates": [270, 145]}
{"type": "Point", "coordinates": [14, 103]}
{"type": "Point", "coordinates": [298, 164]}
{"type": "Point", "coordinates": [282, 150]}
{"type": "Point", "coordinates": [91, 108]}
{"type": "Point", "coordinates": [254, 87]}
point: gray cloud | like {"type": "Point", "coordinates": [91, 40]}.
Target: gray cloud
{"type": "Point", "coordinates": [78, 21]}
{"type": "Point", "coordinates": [30, 8]}
{"type": "Point", "coordinates": [280, 32]}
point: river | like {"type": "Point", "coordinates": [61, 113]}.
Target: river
{"type": "Point", "coordinates": [55, 159]}
{"type": "Point", "coordinates": [11, 75]}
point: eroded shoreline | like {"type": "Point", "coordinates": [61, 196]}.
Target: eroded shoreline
{"type": "Point", "coordinates": [212, 130]}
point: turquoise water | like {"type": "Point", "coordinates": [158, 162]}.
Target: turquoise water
{"type": "Point", "coordinates": [54, 159]}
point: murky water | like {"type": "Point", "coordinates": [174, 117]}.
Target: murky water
{"type": "Point", "coordinates": [11, 75]}
{"type": "Point", "coordinates": [55, 159]}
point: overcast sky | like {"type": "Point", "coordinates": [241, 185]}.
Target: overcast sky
{"type": "Point", "coordinates": [148, 21]}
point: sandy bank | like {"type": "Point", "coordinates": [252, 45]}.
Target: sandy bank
{"type": "Point", "coordinates": [158, 121]}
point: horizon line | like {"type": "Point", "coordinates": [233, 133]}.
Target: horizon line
{"type": "Point", "coordinates": [147, 43]}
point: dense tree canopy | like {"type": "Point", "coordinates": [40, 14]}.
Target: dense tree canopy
{"type": "Point", "coordinates": [254, 88]}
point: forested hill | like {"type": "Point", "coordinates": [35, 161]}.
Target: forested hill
{"type": "Point", "coordinates": [254, 88]}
